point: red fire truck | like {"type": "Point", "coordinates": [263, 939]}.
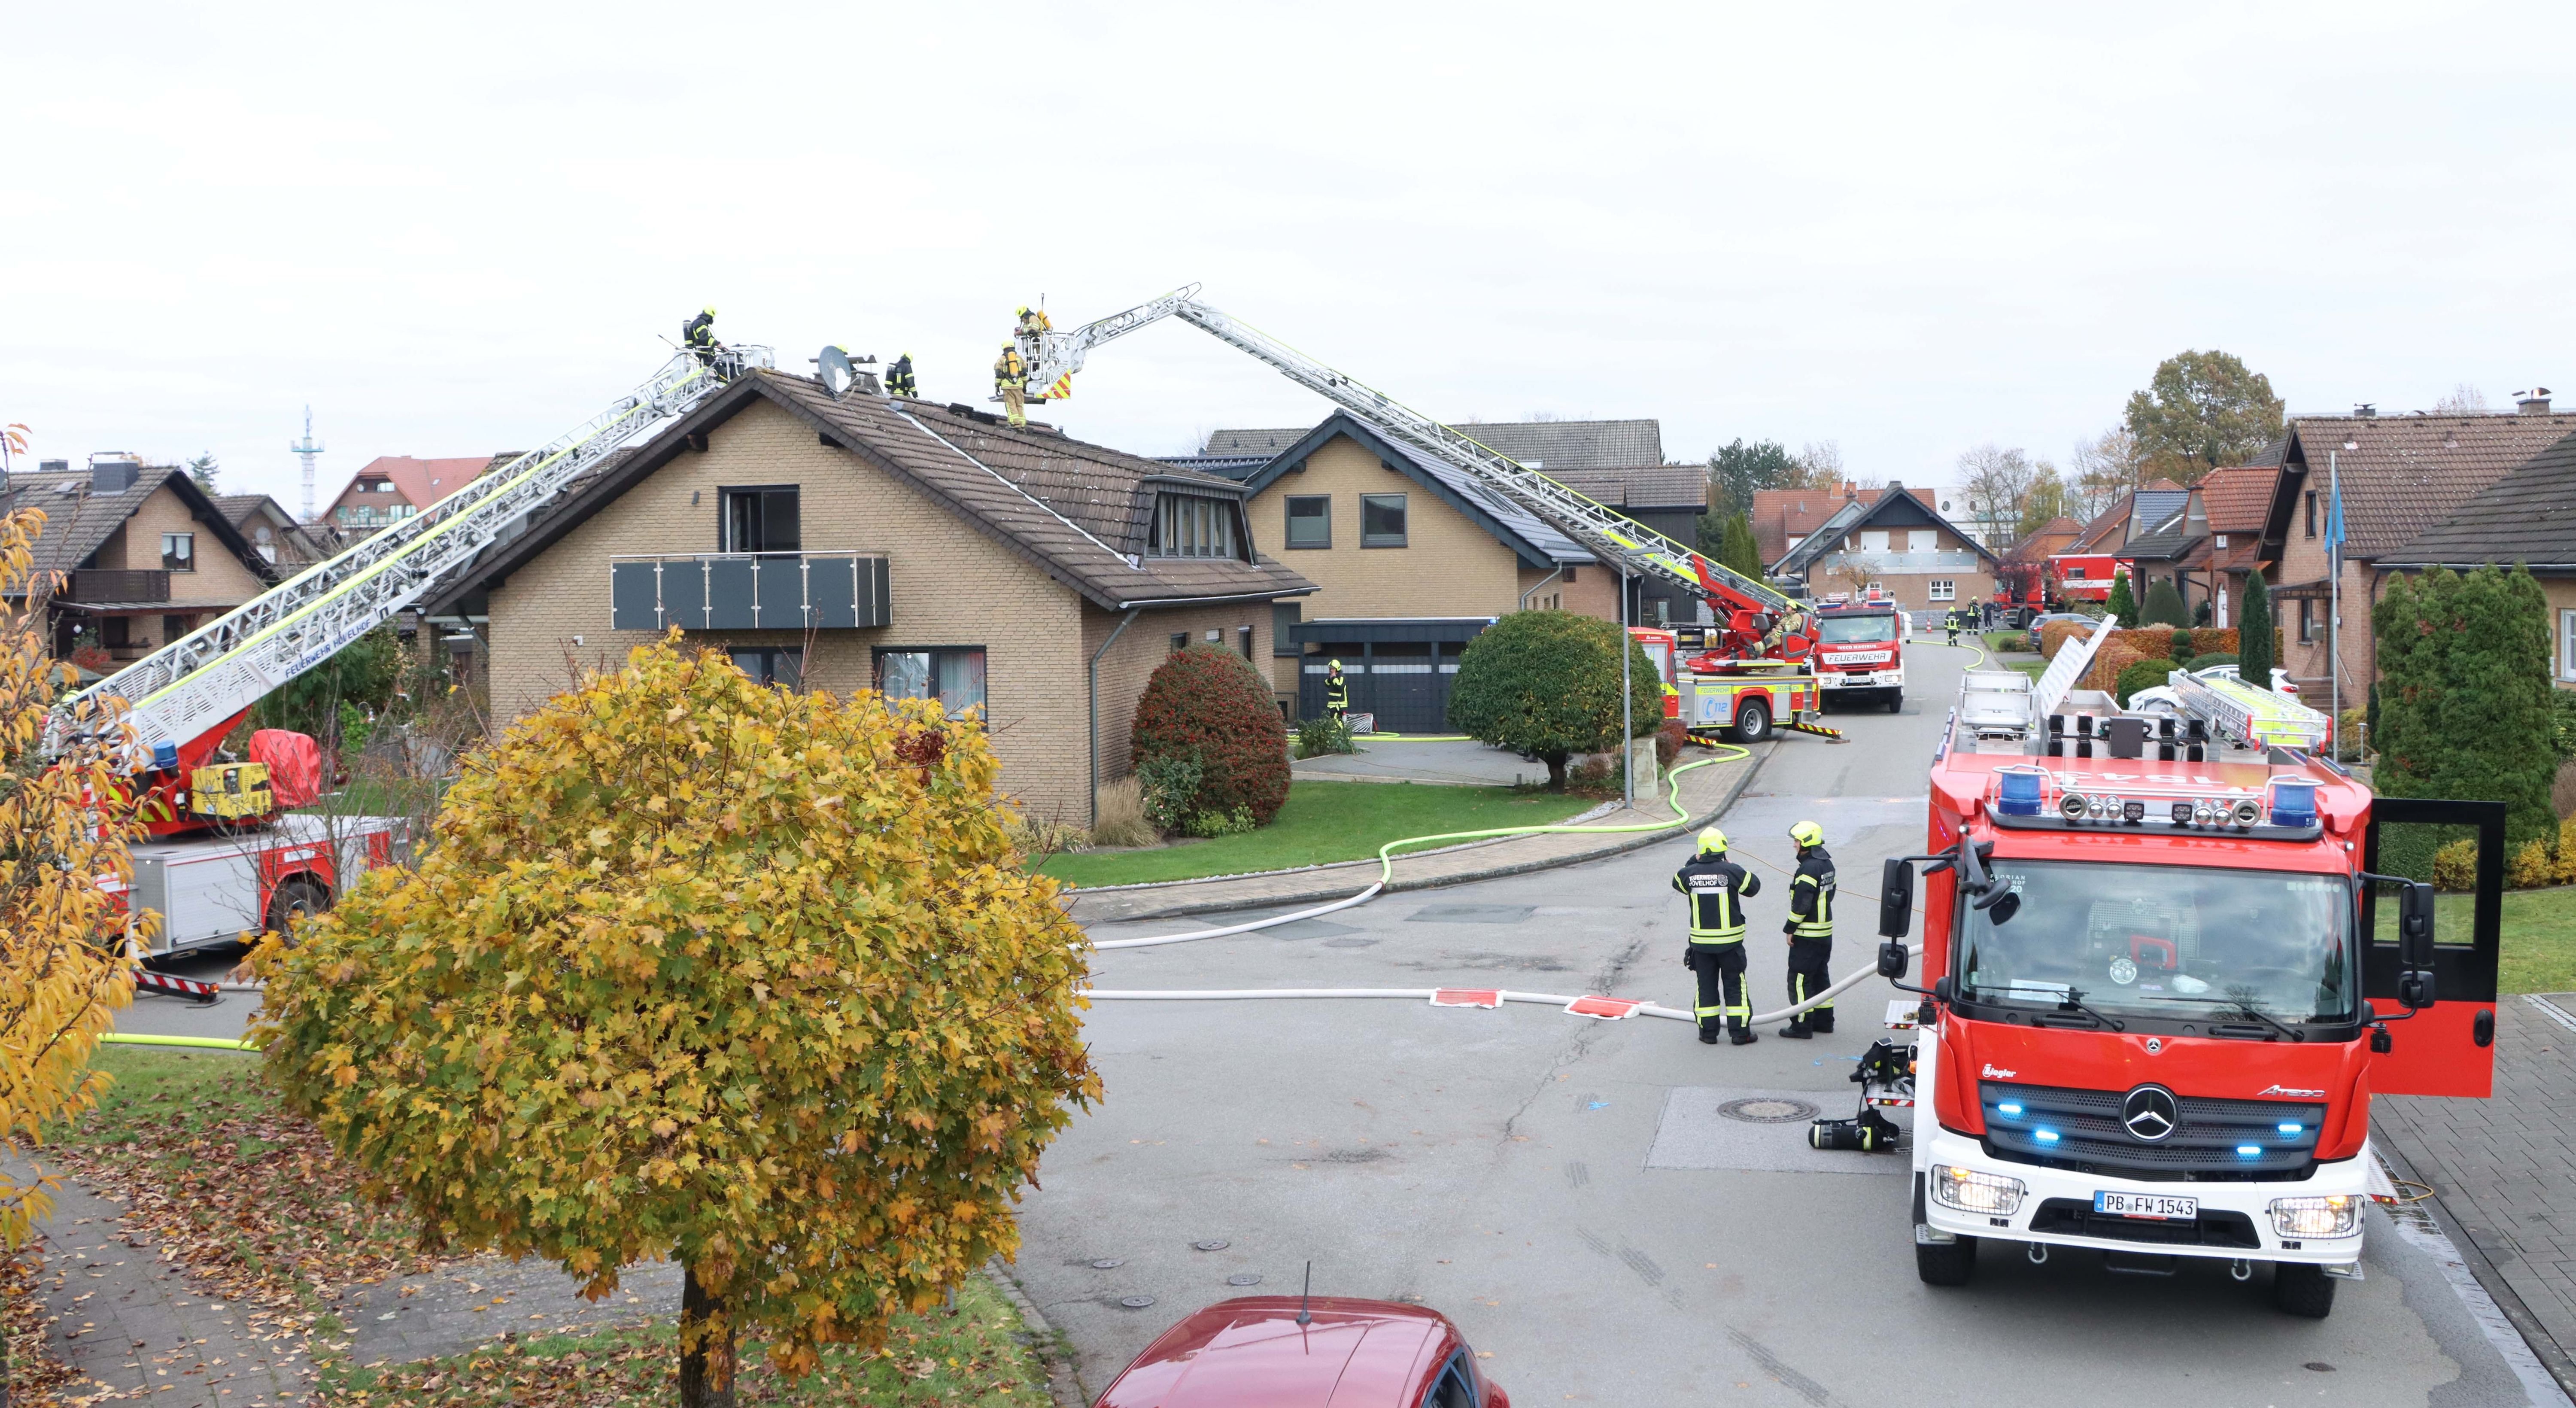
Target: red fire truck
{"type": "Point", "coordinates": [1860, 654]}
{"type": "Point", "coordinates": [2083, 576]}
{"type": "Point", "coordinates": [2162, 982]}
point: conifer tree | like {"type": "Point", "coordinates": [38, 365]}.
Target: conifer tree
{"type": "Point", "coordinates": [2123, 606]}
{"type": "Point", "coordinates": [2254, 654]}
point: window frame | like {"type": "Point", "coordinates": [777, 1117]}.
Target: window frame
{"type": "Point", "coordinates": [1922, 540]}
{"type": "Point", "coordinates": [2311, 514]}
{"type": "Point", "coordinates": [726, 497]}
{"type": "Point", "coordinates": [2307, 621]}
{"type": "Point", "coordinates": [1288, 520]}
{"type": "Point", "coordinates": [770, 658]}
{"type": "Point", "coordinates": [1243, 641]}
{"type": "Point", "coordinates": [185, 559]}
{"type": "Point", "coordinates": [1284, 620]}
{"type": "Point", "coordinates": [2567, 644]}
{"type": "Point", "coordinates": [1206, 531]}
{"type": "Point", "coordinates": [876, 672]}
{"type": "Point", "coordinates": [1942, 588]}
{"type": "Point", "coordinates": [1401, 537]}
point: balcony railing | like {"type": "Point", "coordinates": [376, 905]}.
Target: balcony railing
{"type": "Point", "coordinates": [748, 591]}
{"type": "Point", "coordinates": [102, 584]}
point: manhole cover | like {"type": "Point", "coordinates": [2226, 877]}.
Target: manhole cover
{"type": "Point", "coordinates": [1135, 1302]}
{"type": "Point", "coordinates": [1213, 1244]}
{"type": "Point", "coordinates": [1107, 1263]}
{"type": "Point", "coordinates": [1246, 1279]}
{"type": "Point", "coordinates": [1768, 1109]}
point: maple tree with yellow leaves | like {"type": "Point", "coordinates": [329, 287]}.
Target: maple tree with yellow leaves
{"type": "Point", "coordinates": [703, 969]}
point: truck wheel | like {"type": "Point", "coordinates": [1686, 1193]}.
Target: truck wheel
{"type": "Point", "coordinates": [294, 900]}
{"type": "Point", "coordinates": [2302, 1289]}
{"type": "Point", "coordinates": [1752, 721]}
{"type": "Point", "coordinates": [1896, 701]}
{"type": "Point", "coordinates": [1950, 1265]}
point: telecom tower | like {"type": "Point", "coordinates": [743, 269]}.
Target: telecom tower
{"type": "Point", "coordinates": [305, 449]}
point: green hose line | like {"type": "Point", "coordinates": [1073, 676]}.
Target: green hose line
{"type": "Point", "coordinates": [1418, 737]}
{"type": "Point", "coordinates": [216, 1042]}
{"type": "Point", "coordinates": [1673, 798]}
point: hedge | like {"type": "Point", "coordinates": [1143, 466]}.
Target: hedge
{"type": "Point", "coordinates": [1211, 705]}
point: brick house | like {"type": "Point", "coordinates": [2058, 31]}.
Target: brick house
{"type": "Point", "coordinates": [937, 552]}
{"type": "Point", "coordinates": [390, 488]}
{"type": "Point", "coordinates": [135, 555]}
{"type": "Point", "coordinates": [1898, 544]}
{"type": "Point", "coordinates": [2400, 475]}
{"type": "Point", "coordinates": [2529, 517]}
{"type": "Point", "coordinates": [274, 533]}
{"type": "Point", "coordinates": [2235, 511]}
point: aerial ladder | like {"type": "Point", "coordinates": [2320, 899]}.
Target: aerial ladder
{"type": "Point", "coordinates": [225, 845]}
{"type": "Point", "coordinates": [1760, 630]}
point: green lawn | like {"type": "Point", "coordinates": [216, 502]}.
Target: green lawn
{"type": "Point", "coordinates": [2539, 936]}
{"type": "Point", "coordinates": [1325, 821]}
{"type": "Point", "coordinates": [2033, 667]}
{"type": "Point", "coordinates": [2002, 642]}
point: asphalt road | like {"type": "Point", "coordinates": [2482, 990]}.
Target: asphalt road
{"type": "Point", "coordinates": [1566, 1190]}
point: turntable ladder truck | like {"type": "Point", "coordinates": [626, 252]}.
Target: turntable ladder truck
{"type": "Point", "coordinates": [2161, 979]}
{"type": "Point", "coordinates": [1756, 680]}
{"type": "Point", "coordinates": [225, 854]}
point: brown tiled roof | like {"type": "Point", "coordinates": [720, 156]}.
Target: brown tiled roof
{"type": "Point", "coordinates": [2238, 500]}
{"type": "Point", "coordinates": [421, 483]}
{"type": "Point", "coordinates": [1781, 514]}
{"type": "Point", "coordinates": [79, 521]}
{"type": "Point", "coordinates": [1550, 445]}
{"type": "Point", "coordinates": [1642, 486]}
{"type": "Point", "coordinates": [2096, 535]}
{"type": "Point", "coordinates": [2047, 538]}
{"type": "Point", "coordinates": [2529, 516]}
{"type": "Point", "coordinates": [1077, 511]}
{"type": "Point", "coordinates": [2405, 474]}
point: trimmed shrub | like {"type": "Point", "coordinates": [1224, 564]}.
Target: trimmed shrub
{"type": "Point", "coordinates": [2565, 873]}
{"type": "Point", "coordinates": [2108, 662]}
{"type": "Point", "coordinates": [2531, 867]}
{"type": "Point", "coordinates": [2138, 675]}
{"type": "Point", "coordinates": [2123, 605]}
{"type": "Point", "coordinates": [2179, 646]}
{"type": "Point", "coordinates": [2164, 606]}
{"type": "Point", "coordinates": [1545, 684]}
{"type": "Point", "coordinates": [2199, 663]}
{"type": "Point", "coordinates": [1211, 706]}
{"type": "Point", "coordinates": [2211, 640]}
{"type": "Point", "coordinates": [2455, 866]}
{"type": "Point", "coordinates": [2465, 700]}
{"type": "Point", "coordinates": [2056, 634]}
{"type": "Point", "coordinates": [2258, 645]}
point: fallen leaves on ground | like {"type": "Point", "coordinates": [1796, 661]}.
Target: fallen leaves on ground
{"type": "Point", "coordinates": [35, 1375]}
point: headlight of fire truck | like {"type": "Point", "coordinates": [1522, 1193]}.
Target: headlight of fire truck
{"type": "Point", "coordinates": [2336, 1216]}
{"type": "Point", "coordinates": [1966, 1190]}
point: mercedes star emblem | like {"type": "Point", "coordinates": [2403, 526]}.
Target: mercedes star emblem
{"type": "Point", "coordinates": [2149, 1114]}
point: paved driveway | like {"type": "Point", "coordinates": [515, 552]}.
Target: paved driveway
{"type": "Point", "coordinates": [1465, 763]}
{"type": "Point", "coordinates": [1570, 1193]}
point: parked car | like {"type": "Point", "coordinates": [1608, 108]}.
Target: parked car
{"type": "Point", "coordinates": [1348, 1354]}
{"type": "Point", "coordinates": [2042, 619]}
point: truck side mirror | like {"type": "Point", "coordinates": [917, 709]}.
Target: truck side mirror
{"type": "Point", "coordinates": [1893, 960]}
{"type": "Point", "coordinates": [2415, 927]}
{"type": "Point", "coordinates": [1895, 902]}
{"type": "Point", "coordinates": [2415, 988]}
{"type": "Point", "coordinates": [1945, 990]}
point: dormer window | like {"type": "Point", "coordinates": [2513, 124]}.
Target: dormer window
{"type": "Point", "coordinates": [1191, 525]}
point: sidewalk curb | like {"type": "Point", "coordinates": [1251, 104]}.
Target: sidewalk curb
{"type": "Point", "coordinates": [1054, 1348]}
{"type": "Point", "coordinates": [1620, 847]}
{"type": "Point", "coordinates": [2410, 1163]}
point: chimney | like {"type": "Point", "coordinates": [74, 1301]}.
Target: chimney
{"type": "Point", "coordinates": [54, 466]}
{"type": "Point", "coordinates": [2534, 402]}
{"type": "Point", "coordinates": [113, 476]}
{"type": "Point", "coordinates": [1851, 488]}
{"type": "Point", "coordinates": [2365, 410]}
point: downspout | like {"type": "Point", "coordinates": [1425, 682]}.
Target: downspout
{"type": "Point", "coordinates": [1123, 623]}
{"type": "Point", "coordinates": [1543, 581]}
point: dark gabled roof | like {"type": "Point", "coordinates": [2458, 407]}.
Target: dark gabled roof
{"type": "Point", "coordinates": [1896, 503]}
{"type": "Point", "coordinates": [2529, 516]}
{"type": "Point", "coordinates": [1639, 486]}
{"type": "Point", "coordinates": [79, 521]}
{"type": "Point", "coordinates": [1077, 512]}
{"type": "Point", "coordinates": [2405, 474]}
{"type": "Point", "coordinates": [1538, 543]}
{"type": "Point", "coordinates": [1548, 445]}
{"type": "Point", "coordinates": [1223, 466]}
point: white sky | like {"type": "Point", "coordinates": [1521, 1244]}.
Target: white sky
{"type": "Point", "coordinates": [461, 228]}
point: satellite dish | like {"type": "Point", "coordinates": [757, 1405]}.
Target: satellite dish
{"type": "Point", "coordinates": [838, 376]}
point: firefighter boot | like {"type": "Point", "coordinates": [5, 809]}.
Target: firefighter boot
{"type": "Point", "coordinates": [1742, 1036]}
{"type": "Point", "coordinates": [1708, 1036]}
{"type": "Point", "coordinates": [1798, 1030]}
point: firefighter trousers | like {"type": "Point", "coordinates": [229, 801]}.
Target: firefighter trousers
{"type": "Point", "coordinates": [1809, 974]}
{"type": "Point", "coordinates": [1014, 402]}
{"type": "Point", "coordinates": [1721, 986]}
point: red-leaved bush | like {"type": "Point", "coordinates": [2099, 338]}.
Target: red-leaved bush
{"type": "Point", "coordinates": [1210, 704]}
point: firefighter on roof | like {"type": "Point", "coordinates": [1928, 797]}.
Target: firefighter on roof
{"type": "Point", "coordinates": [698, 334]}
{"type": "Point", "coordinates": [1811, 931]}
{"type": "Point", "coordinates": [1011, 377]}
{"type": "Point", "coordinates": [1716, 889]}
{"type": "Point", "coordinates": [899, 381]}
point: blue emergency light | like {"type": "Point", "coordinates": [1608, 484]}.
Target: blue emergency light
{"type": "Point", "coordinates": [2294, 803]}
{"type": "Point", "coordinates": [2021, 793]}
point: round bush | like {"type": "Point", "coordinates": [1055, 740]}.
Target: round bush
{"type": "Point", "coordinates": [1211, 705]}
{"type": "Point", "coordinates": [2205, 662]}
{"type": "Point", "coordinates": [2138, 675]}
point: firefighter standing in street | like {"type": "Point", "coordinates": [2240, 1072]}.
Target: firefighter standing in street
{"type": "Point", "coordinates": [1716, 889]}
{"type": "Point", "coordinates": [1337, 690]}
{"type": "Point", "coordinates": [1811, 931]}
{"type": "Point", "coordinates": [1011, 377]}
{"type": "Point", "coordinates": [899, 380]}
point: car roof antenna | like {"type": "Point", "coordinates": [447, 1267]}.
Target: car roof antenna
{"type": "Point", "coordinates": [1304, 1315]}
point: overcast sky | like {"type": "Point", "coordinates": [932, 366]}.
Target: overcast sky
{"type": "Point", "coordinates": [459, 228]}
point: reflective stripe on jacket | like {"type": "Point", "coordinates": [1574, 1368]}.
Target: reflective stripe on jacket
{"type": "Point", "coordinates": [1717, 888]}
{"type": "Point", "coordinates": [1811, 896]}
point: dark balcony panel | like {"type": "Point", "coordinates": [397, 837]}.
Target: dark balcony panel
{"type": "Point", "coordinates": [876, 592]}
{"type": "Point", "coordinates": [831, 591]}
{"type": "Point", "coordinates": [684, 593]}
{"type": "Point", "coordinates": [729, 595]}
{"type": "Point", "coordinates": [781, 592]}
{"type": "Point", "coordinates": [117, 584]}
{"type": "Point", "coordinates": [634, 596]}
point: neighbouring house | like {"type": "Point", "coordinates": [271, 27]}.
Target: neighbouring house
{"type": "Point", "coordinates": [132, 556]}
{"type": "Point", "coordinates": [1411, 557]}
{"type": "Point", "coordinates": [2164, 527]}
{"type": "Point", "coordinates": [2085, 567]}
{"type": "Point", "coordinates": [2235, 506]}
{"type": "Point", "coordinates": [2400, 476]}
{"type": "Point", "coordinates": [1784, 518]}
{"type": "Point", "coordinates": [1668, 498]}
{"type": "Point", "coordinates": [390, 488]}
{"type": "Point", "coordinates": [1548, 445]}
{"type": "Point", "coordinates": [870, 543]}
{"type": "Point", "coordinates": [2044, 541]}
{"type": "Point", "coordinates": [1898, 545]}
{"type": "Point", "coordinates": [273, 531]}
{"type": "Point", "coordinates": [2527, 517]}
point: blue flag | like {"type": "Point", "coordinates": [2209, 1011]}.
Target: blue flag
{"type": "Point", "coordinates": [2334, 524]}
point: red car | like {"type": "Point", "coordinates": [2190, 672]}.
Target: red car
{"type": "Point", "coordinates": [1252, 1353]}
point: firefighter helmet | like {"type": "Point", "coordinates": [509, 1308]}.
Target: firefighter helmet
{"type": "Point", "coordinates": [1712, 842]}
{"type": "Point", "coordinates": [1807, 833]}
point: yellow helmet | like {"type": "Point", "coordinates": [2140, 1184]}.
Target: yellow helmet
{"type": "Point", "coordinates": [1333, 664]}
{"type": "Point", "coordinates": [1807, 833]}
{"type": "Point", "coordinates": [1022, 310]}
{"type": "Point", "coordinates": [1712, 842]}
{"type": "Point", "coordinates": [711, 310]}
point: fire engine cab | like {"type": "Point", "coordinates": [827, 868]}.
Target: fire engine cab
{"type": "Point", "coordinates": [2161, 980]}
{"type": "Point", "coordinates": [1860, 653]}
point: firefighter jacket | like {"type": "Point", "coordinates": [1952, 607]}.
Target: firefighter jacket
{"type": "Point", "coordinates": [699, 331]}
{"type": "Point", "coordinates": [899, 379]}
{"type": "Point", "coordinates": [1717, 888]}
{"type": "Point", "coordinates": [1337, 692]}
{"type": "Point", "coordinates": [1811, 896]}
{"type": "Point", "coordinates": [1009, 370]}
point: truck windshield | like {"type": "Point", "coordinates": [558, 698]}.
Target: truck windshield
{"type": "Point", "coordinates": [2165, 941]}
{"type": "Point", "coordinates": [1844, 630]}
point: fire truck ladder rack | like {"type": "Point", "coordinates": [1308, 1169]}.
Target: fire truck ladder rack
{"type": "Point", "coordinates": [195, 684]}
{"type": "Point", "coordinates": [1052, 357]}
{"type": "Point", "coordinates": [2248, 714]}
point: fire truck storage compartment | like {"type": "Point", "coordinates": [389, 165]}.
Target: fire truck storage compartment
{"type": "Point", "coordinates": [210, 890]}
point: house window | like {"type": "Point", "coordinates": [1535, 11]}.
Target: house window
{"type": "Point", "coordinates": [1381, 520]}
{"type": "Point", "coordinates": [1243, 640]}
{"type": "Point", "coordinates": [1945, 589]}
{"type": "Point", "coordinates": [179, 552]}
{"type": "Point", "coordinates": [1310, 521]}
{"type": "Point", "coordinates": [2312, 512]}
{"type": "Point", "coordinates": [116, 632]}
{"type": "Point", "coordinates": [2307, 621]}
{"type": "Point", "coordinates": [2567, 645]}
{"type": "Point", "coordinates": [1283, 624]}
{"type": "Point", "coordinates": [760, 519]}
{"type": "Point", "coordinates": [2219, 540]}
{"type": "Point", "coordinates": [1922, 540]}
{"type": "Point", "coordinates": [1180, 641]}
{"type": "Point", "coordinates": [953, 675]}
{"type": "Point", "coordinates": [1191, 525]}
{"type": "Point", "coordinates": [767, 665]}
{"type": "Point", "coordinates": [173, 627]}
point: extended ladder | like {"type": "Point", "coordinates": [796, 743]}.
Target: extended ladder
{"type": "Point", "coordinates": [1053, 356]}
{"type": "Point", "coordinates": [195, 684]}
